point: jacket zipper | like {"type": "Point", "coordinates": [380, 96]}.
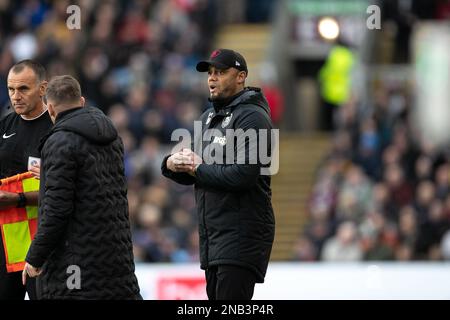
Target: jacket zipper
{"type": "Point", "coordinates": [206, 230]}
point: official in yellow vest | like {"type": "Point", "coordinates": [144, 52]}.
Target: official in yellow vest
{"type": "Point", "coordinates": [335, 75]}
{"type": "Point", "coordinates": [335, 82]}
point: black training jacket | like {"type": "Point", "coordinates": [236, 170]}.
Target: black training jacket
{"type": "Point", "coordinates": [83, 212]}
{"type": "Point", "coordinates": [236, 220]}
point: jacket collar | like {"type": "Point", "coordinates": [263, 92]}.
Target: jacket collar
{"type": "Point", "coordinates": [65, 113]}
{"type": "Point", "coordinates": [224, 106]}
{"type": "Point", "coordinates": [59, 118]}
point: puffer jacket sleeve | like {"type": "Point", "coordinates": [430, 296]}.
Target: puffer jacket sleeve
{"type": "Point", "coordinates": [59, 170]}
{"type": "Point", "coordinates": [240, 175]}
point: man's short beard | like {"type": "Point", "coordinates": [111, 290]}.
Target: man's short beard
{"type": "Point", "coordinates": [214, 98]}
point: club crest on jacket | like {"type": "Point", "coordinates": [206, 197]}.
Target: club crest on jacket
{"type": "Point", "coordinates": [226, 121]}
{"type": "Point", "coordinates": [210, 115]}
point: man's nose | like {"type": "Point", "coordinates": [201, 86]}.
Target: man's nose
{"type": "Point", "coordinates": [16, 95]}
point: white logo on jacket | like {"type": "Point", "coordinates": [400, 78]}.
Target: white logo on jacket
{"type": "Point", "coordinates": [226, 121]}
{"type": "Point", "coordinates": [210, 115]}
{"type": "Point", "coordinates": [220, 140]}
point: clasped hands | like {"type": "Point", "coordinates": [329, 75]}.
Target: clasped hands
{"type": "Point", "coordinates": [184, 161]}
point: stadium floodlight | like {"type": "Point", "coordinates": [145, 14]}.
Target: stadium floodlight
{"type": "Point", "coordinates": [328, 28]}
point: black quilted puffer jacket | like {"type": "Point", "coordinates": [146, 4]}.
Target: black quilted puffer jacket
{"type": "Point", "coordinates": [83, 226]}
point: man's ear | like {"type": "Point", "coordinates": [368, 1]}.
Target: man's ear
{"type": "Point", "coordinates": [241, 77]}
{"type": "Point", "coordinates": [82, 101]}
{"type": "Point", "coordinates": [42, 88]}
{"type": "Point", "coordinates": [51, 110]}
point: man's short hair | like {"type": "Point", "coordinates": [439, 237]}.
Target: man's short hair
{"type": "Point", "coordinates": [63, 90]}
{"type": "Point", "coordinates": [38, 69]}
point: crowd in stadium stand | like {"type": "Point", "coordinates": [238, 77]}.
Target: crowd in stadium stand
{"type": "Point", "coordinates": [135, 60]}
{"type": "Point", "coordinates": [383, 191]}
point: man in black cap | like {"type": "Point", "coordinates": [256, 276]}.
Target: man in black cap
{"type": "Point", "coordinates": [233, 195]}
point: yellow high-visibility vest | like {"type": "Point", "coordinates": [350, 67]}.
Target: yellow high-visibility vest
{"type": "Point", "coordinates": [335, 75]}
{"type": "Point", "coordinates": [18, 225]}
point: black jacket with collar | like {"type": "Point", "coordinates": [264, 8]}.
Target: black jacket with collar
{"type": "Point", "coordinates": [83, 212]}
{"type": "Point", "coordinates": [235, 215]}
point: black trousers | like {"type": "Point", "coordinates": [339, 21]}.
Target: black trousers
{"type": "Point", "coordinates": [11, 287]}
{"type": "Point", "coordinates": [229, 282]}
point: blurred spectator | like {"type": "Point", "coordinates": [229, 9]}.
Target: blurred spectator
{"type": "Point", "coordinates": [378, 240]}
{"type": "Point", "coordinates": [408, 232]}
{"type": "Point", "coordinates": [304, 250]}
{"type": "Point", "coordinates": [431, 232]}
{"type": "Point", "coordinates": [380, 202]}
{"type": "Point", "coordinates": [317, 232]}
{"type": "Point", "coordinates": [442, 180]}
{"type": "Point", "coordinates": [400, 190]}
{"type": "Point", "coordinates": [423, 169]}
{"type": "Point", "coordinates": [354, 195]}
{"type": "Point", "coordinates": [445, 246]}
{"type": "Point", "coordinates": [342, 145]}
{"type": "Point", "coordinates": [424, 196]}
{"type": "Point", "coordinates": [368, 148]}
{"type": "Point", "coordinates": [447, 207]}
{"type": "Point", "coordinates": [344, 246]}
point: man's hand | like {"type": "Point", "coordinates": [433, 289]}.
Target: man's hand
{"type": "Point", "coordinates": [196, 161]}
{"type": "Point", "coordinates": [180, 161]}
{"type": "Point", "coordinates": [31, 271]}
{"type": "Point", "coordinates": [36, 171]}
{"type": "Point", "coordinates": [8, 199]}
{"type": "Point", "coordinates": [184, 161]}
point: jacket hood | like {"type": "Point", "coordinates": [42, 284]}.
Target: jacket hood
{"type": "Point", "coordinates": [255, 96]}
{"type": "Point", "coordinates": [250, 96]}
{"type": "Point", "coordinates": [89, 122]}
